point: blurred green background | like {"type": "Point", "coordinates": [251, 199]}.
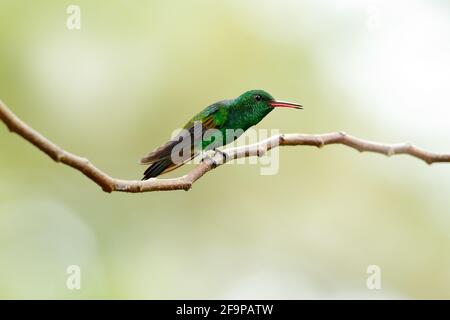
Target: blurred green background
{"type": "Point", "coordinates": [136, 70]}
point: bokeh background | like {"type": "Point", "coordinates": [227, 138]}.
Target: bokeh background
{"type": "Point", "coordinates": [136, 70]}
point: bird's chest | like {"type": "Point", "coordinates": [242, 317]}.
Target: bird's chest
{"type": "Point", "coordinates": [221, 137]}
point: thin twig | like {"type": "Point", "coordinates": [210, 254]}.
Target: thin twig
{"type": "Point", "coordinates": [109, 184]}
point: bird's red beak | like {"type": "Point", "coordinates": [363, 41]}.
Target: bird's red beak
{"type": "Point", "coordinates": [283, 104]}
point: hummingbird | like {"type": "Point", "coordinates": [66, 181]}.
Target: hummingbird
{"type": "Point", "coordinates": [226, 120]}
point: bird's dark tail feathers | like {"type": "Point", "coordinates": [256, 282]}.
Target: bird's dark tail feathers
{"type": "Point", "coordinates": [158, 167]}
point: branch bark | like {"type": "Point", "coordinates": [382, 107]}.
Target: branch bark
{"type": "Point", "coordinates": [109, 184]}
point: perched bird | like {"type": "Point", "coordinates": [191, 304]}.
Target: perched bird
{"type": "Point", "coordinates": [229, 118]}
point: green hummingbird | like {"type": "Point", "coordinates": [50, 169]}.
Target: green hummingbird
{"type": "Point", "coordinates": [215, 126]}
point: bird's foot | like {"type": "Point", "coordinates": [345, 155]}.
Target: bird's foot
{"type": "Point", "coordinates": [211, 159]}
{"type": "Point", "coordinates": [223, 154]}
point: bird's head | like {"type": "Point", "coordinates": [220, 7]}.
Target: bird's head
{"type": "Point", "coordinates": [261, 100]}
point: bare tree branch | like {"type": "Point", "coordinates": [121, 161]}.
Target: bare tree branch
{"type": "Point", "coordinates": [109, 184]}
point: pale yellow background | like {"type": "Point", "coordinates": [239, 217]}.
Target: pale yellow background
{"type": "Point", "coordinates": [139, 69]}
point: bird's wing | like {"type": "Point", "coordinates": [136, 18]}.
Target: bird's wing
{"type": "Point", "coordinates": [207, 119]}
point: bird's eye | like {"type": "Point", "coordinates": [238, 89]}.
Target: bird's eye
{"type": "Point", "coordinates": [258, 97]}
